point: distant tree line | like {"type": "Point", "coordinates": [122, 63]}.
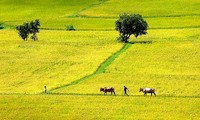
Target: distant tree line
{"type": "Point", "coordinates": [29, 28]}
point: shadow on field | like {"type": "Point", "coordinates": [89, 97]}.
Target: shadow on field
{"type": "Point", "coordinates": [141, 42]}
{"type": "Point", "coordinates": [109, 95]}
{"type": "Point", "coordinates": [99, 94]}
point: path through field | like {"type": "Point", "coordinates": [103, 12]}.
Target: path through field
{"type": "Point", "coordinates": [100, 69]}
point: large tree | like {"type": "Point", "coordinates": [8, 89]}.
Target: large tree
{"type": "Point", "coordinates": [29, 28]}
{"type": "Point", "coordinates": [129, 24]}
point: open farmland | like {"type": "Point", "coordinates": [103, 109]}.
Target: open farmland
{"type": "Point", "coordinates": [75, 64]}
{"type": "Point", "coordinates": [92, 107]}
{"type": "Point", "coordinates": [55, 60]}
{"type": "Point", "coordinates": [172, 60]}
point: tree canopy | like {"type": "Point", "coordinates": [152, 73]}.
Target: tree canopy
{"type": "Point", "coordinates": [130, 24]}
{"type": "Point", "coordinates": [29, 28]}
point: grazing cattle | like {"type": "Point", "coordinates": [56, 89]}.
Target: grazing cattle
{"type": "Point", "coordinates": [147, 90]}
{"type": "Point", "coordinates": [107, 89]}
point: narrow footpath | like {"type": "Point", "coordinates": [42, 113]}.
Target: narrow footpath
{"type": "Point", "coordinates": [100, 69]}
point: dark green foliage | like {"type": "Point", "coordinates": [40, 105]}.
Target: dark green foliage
{"type": "Point", "coordinates": [130, 24]}
{"type": "Point", "coordinates": [23, 30]}
{"type": "Point", "coordinates": [29, 28]}
{"type": "Point", "coordinates": [1, 26]}
{"type": "Point", "coordinates": [70, 27]}
{"type": "Point", "coordinates": [34, 28]}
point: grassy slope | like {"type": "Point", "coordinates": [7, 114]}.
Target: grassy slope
{"type": "Point", "coordinates": [51, 13]}
{"type": "Point", "coordinates": [170, 64]}
{"type": "Point", "coordinates": [57, 58]}
{"type": "Point", "coordinates": [100, 69]}
{"type": "Point", "coordinates": [153, 8]}
{"type": "Point", "coordinates": [98, 15]}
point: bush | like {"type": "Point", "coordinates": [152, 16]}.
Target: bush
{"type": "Point", "coordinates": [1, 26]}
{"type": "Point", "coordinates": [70, 27]}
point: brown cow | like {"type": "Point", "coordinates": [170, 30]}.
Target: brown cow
{"type": "Point", "coordinates": [107, 89]}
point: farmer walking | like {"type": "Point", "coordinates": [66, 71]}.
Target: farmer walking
{"type": "Point", "coordinates": [125, 90]}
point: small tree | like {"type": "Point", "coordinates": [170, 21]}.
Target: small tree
{"type": "Point", "coordinates": [70, 27]}
{"type": "Point", "coordinates": [29, 28]}
{"type": "Point", "coordinates": [130, 24]}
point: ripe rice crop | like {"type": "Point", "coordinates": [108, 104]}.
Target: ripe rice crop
{"type": "Point", "coordinates": [75, 64]}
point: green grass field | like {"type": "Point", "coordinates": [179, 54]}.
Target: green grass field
{"type": "Point", "coordinates": [75, 64]}
{"type": "Point", "coordinates": [92, 107]}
